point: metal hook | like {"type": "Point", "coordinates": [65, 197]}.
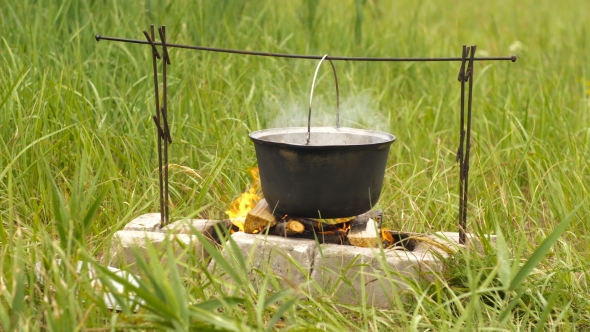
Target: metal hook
{"type": "Point", "coordinates": [311, 96]}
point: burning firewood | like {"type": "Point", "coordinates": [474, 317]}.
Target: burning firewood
{"type": "Point", "coordinates": [295, 226]}
{"type": "Point", "coordinates": [365, 230]}
{"type": "Point", "coordinates": [259, 217]}
{"type": "Point", "coordinates": [362, 231]}
{"type": "Point", "coordinates": [289, 228]}
{"type": "Point", "coordinates": [316, 226]}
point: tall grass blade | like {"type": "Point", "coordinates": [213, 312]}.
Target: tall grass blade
{"type": "Point", "coordinates": [358, 22]}
{"type": "Point", "coordinates": [35, 142]}
{"type": "Point", "coordinates": [219, 259]}
{"type": "Point", "coordinates": [548, 308]}
{"type": "Point", "coordinates": [14, 86]}
{"type": "Point", "coordinates": [511, 305]}
{"type": "Point", "coordinates": [59, 213]}
{"type": "Point", "coordinates": [282, 309]}
{"type": "Point", "coordinates": [95, 206]}
{"type": "Point", "coordinates": [4, 315]}
{"type": "Point", "coordinates": [217, 303]}
{"type": "Point", "coordinates": [19, 277]}
{"type": "Point", "coordinates": [213, 321]}
{"type": "Point", "coordinates": [141, 290]}
{"type": "Point", "coordinates": [179, 292]}
{"type": "Point", "coordinates": [503, 255]}
{"type": "Point", "coordinates": [543, 249]}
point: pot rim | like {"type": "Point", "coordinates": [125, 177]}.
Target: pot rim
{"type": "Point", "coordinates": [258, 136]}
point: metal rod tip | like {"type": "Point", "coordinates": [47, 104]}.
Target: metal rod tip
{"type": "Point", "coordinates": [513, 58]}
{"type": "Point", "coordinates": [97, 37]}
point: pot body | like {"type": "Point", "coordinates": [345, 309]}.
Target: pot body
{"type": "Point", "coordinates": [339, 174]}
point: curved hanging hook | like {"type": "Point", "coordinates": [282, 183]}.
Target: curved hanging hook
{"type": "Point", "coordinates": [311, 96]}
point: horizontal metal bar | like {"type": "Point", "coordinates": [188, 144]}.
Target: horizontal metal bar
{"type": "Point", "coordinates": [299, 56]}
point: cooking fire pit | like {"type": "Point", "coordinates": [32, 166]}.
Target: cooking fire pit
{"type": "Point", "coordinates": [308, 176]}
{"type": "Point", "coordinates": [354, 182]}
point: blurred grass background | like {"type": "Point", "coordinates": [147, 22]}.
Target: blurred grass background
{"type": "Point", "coordinates": [76, 113]}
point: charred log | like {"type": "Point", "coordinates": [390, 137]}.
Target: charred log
{"type": "Point", "coordinates": [295, 227]}
{"type": "Point", "coordinates": [259, 217]}
{"type": "Point", "coordinates": [289, 228]}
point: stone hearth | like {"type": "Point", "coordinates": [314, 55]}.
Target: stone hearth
{"type": "Point", "coordinates": [350, 274]}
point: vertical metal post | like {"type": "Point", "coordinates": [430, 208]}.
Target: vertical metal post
{"type": "Point", "coordinates": [167, 138]}
{"type": "Point", "coordinates": [156, 118]}
{"type": "Point", "coordinates": [462, 78]}
{"type": "Point", "coordinates": [465, 138]}
{"type": "Point", "coordinates": [465, 170]}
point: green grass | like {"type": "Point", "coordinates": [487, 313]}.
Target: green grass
{"type": "Point", "coordinates": [78, 151]}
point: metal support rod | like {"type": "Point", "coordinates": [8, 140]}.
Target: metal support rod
{"type": "Point", "coordinates": [462, 78]}
{"type": "Point", "coordinates": [99, 37]}
{"type": "Point", "coordinates": [167, 138]}
{"type": "Point", "coordinates": [156, 118]}
{"type": "Point", "coordinates": [464, 176]}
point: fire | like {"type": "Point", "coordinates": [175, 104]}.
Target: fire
{"type": "Point", "coordinates": [340, 229]}
{"type": "Point", "coordinates": [239, 208]}
{"type": "Point", "coordinates": [338, 220]}
{"type": "Point", "coordinates": [386, 236]}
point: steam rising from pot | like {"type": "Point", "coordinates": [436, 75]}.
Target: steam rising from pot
{"type": "Point", "coordinates": [358, 111]}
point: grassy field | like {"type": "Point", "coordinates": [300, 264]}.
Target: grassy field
{"type": "Point", "coordinates": [78, 152]}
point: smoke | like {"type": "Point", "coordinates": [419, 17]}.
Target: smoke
{"type": "Point", "coordinates": [359, 111]}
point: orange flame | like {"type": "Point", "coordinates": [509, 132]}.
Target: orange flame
{"type": "Point", "coordinates": [386, 236]}
{"type": "Point", "coordinates": [239, 208]}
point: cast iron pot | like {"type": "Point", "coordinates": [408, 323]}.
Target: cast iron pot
{"type": "Point", "coordinates": [339, 173]}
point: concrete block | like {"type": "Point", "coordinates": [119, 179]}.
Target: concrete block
{"type": "Point", "coordinates": [149, 222]}
{"type": "Point", "coordinates": [353, 274]}
{"type": "Point", "coordinates": [290, 258]}
{"type": "Point", "coordinates": [121, 254]}
{"type": "Point", "coordinates": [204, 226]}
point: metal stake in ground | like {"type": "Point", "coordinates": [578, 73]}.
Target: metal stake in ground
{"type": "Point", "coordinates": [462, 78]}
{"type": "Point", "coordinates": [465, 163]}
{"type": "Point", "coordinates": [167, 138]}
{"type": "Point", "coordinates": [156, 118]}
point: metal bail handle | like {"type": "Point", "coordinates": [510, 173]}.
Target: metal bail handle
{"type": "Point", "coordinates": [317, 69]}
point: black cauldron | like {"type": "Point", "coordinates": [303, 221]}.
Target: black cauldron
{"type": "Point", "coordinates": [339, 173]}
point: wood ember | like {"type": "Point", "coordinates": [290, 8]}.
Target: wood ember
{"type": "Point", "coordinates": [295, 226]}
{"type": "Point", "coordinates": [365, 230]}
{"type": "Point", "coordinates": [259, 217]}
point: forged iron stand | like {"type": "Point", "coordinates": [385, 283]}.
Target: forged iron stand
{"type": "Point", "coordinates": [466, 73]}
